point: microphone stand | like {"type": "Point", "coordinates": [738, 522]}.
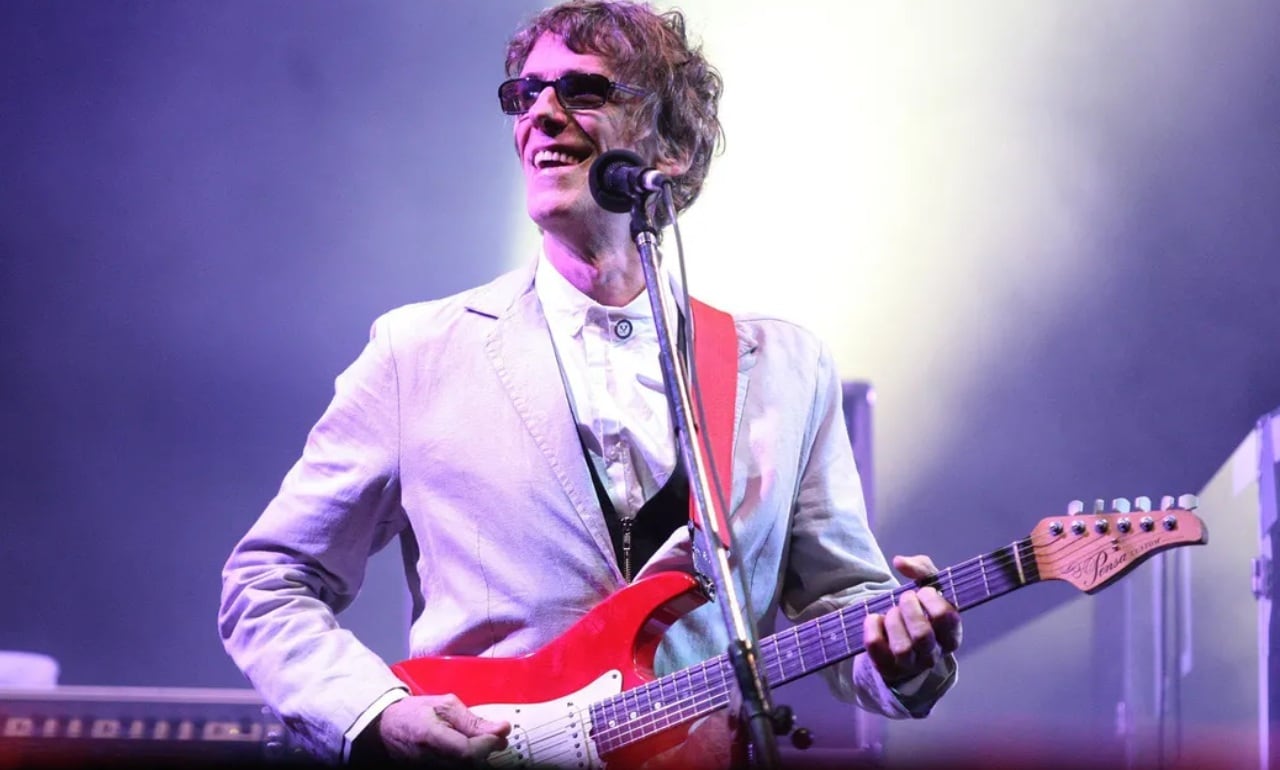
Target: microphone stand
{"type": "Point", "coordinates": [757, 712]}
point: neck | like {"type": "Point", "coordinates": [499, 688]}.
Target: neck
{"type": "Point", "coordinates": [610, 276]}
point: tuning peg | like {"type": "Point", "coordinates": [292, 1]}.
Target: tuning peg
{"type": "Point", "coordinates": [1166, 502]}
{"type": "Point", "coordinates": [1142, 503]}
{"type": "Point", "coordinates": [1074, 507]}
{"type": "Point", "coordinates": [1120, 505]}
{"type": "Point", "coordinates": [1099, 505]}
{"type": "Point", "coordinates": [1188, 502]}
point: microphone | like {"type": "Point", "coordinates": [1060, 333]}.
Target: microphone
{"type": "Point", "coordinates": [619, 179]}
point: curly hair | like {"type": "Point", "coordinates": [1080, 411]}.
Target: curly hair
{"type": "Point", "coordinates": [677, 117]}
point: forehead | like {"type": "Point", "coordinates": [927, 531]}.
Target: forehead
{"type": "Point", "coordinates": [550, 58]}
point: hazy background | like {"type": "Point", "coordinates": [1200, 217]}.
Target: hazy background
{"type": "Point", "coordinates": [1046, 232]}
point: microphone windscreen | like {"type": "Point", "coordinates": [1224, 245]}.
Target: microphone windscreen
{"type": "Point", "coordinates": [609, 199]}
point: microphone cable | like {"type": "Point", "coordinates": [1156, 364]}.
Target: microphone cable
{"type": "Point", "coordinates": [689, 359]}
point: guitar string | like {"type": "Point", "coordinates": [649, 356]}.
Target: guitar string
{"type": "Point", "coordinates": [1021, 553]}
{"type": "Point", "coordinates": [809, 640]}
{"type": "Point", "coordinates": [1004, 556]}
{"type": "Point", "coordinates": [718, 693]}
{"type": "Point", "coordinates": [961, 579]}
{"type": "Point", "coordinates": [716, 697]}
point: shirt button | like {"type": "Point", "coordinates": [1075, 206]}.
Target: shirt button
{"type": "Point", "coordinates": [622, 329]}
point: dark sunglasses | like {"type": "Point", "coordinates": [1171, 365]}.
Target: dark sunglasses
{"type": "Point", "coordinates": [576, 91]}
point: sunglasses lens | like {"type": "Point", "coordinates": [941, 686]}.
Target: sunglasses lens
{"type": "Point", "coordinates": [583, 92]}
{"type": "Point", "coordinates": [518, 95]}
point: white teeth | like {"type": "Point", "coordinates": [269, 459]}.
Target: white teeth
{"type": "Point", "coordinates": [544, 158]}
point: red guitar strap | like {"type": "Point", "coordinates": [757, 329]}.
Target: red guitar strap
{"type": "Point", "coordinates": [715, 354]}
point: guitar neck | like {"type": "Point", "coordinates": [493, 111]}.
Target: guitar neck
{"type": "Point", "coordinates": [816, 643]}
{"type": "Point", "coordinates": [701, 689]}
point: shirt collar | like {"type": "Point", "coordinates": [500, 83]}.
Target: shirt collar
{"type": "Point", "coordinates": [566, 307]}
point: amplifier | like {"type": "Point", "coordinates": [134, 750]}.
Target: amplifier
{"type": "Point", "coordinates": [75, 726]}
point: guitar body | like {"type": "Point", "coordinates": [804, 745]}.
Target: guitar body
{"type": "Point", "coordinates": [611, 649]}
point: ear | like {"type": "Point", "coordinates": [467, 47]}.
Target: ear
{"type": "Point", "coordinates": [672, 167]}
{"type": "Point", "coordinates": [649, 147]}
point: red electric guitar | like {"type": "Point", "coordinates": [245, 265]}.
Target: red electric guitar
{"type": "Point", "coordinates": [590, 697]}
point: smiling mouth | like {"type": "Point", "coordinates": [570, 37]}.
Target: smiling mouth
{"type": "Point", "coordinates": [552, 159]}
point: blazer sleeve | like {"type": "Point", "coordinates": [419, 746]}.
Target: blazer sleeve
{"type": "Point", "coordinates": [834, 560]}
{"type": "Point", "coordinates": [304, 559]}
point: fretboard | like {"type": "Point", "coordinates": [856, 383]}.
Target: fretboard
{"type": "Point", "coordinates": [703, 688]}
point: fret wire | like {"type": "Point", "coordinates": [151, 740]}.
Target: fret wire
{"type": "Point", "coordinates": [631, 701]}
{"type": "Point", "coordinates": [832, 633]}
{"type": "Point", "coordinates": [706, 680]}
{"type": "Point", "coordinates": [786, 652]}
{"type": "Point", "coordinates": [777, 657]}
{"type": "Point", "coordinates": [716, 674]}
{"type": "Point", "coordinates": [599, 725]}
{"type": "Point", "coordinates": [810, 636]}
{"type": "Point", "coordinates": [795, 632]}
{"type": "Point", "coordinates": [844, 629]}
{"type": "Point", "coordinates": [669, 692]}
{"type": "Point", "coordinates": [820, 634]}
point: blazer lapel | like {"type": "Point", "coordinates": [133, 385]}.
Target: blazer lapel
{"type": "Point", "coordinates": [521, 351]}
{"type": "Point", "coordinates": [747, 345]}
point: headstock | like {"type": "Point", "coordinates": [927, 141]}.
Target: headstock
{"type": "Point", "coordinates": [1091, 550]}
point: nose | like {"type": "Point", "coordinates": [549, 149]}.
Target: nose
{"type": "Point", "coordinates": [547, 114]}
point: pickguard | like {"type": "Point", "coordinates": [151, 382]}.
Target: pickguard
{"type": "Point", "coordinates": [555, 733]}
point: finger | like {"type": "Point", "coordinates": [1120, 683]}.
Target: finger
{"type": "Point", "coordinates": [459, 732]}
{"type": "Point", "coordinates": [440, 739]}
{"type": "Point", "coordinates": [919, 630]}
{"type": "Point", "coordinates": [900, 642]}
{"type": "Point", "coordinates": [894, 662]}
{"type": "Point", "coordinates": [934, 602]}
{"type": "Point", "coordinates": [876, 642]}
{"type": "Point", "coordinates": [944, 617]}
{"type": "Point", "coordinates": [481, 746]}
{"type": "Point", "coordinates": [916, 619]}
{"type": "Point", "coordinates": [441, 742]}
{"type": "Point", "coordinates": [467, 722]}
{"type": "Point", "coordinates": [915, 567]}
{"type": "Point", "coordinates": [411, 729]}
{"type": "Point", "coordinates": [936, 605]}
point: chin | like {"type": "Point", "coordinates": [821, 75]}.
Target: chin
{"type": "Point", "coordinates": [546, 216]}
{"type": "Point", "coordinates": [548, 210]}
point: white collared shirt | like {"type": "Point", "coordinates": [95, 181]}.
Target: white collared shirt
{"type": "Point", "coordinates": [609, 360]}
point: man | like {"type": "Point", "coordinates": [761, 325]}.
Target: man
{"type": "Point", "coordinates": [511, 436]}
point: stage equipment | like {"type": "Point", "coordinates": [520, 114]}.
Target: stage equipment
{"type": "Point", "coordinates": [1199, 673]}
{"type": "Point", "coordinates": [81, 726]}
